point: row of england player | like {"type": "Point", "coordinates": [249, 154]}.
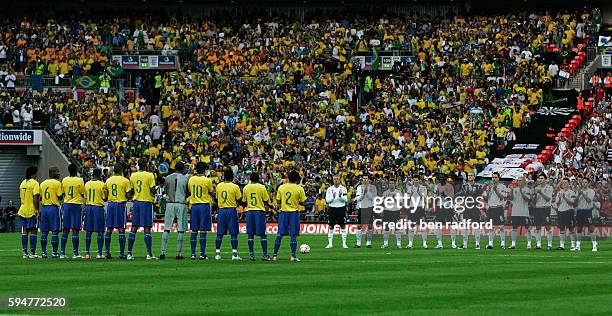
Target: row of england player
{"type": "Point", "coordinates": [56, 206]}
{"type": "Point", "coordinates": [528, 202]}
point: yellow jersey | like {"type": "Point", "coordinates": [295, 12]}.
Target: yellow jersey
{"type": "Point", "coordinates": [95, 192]}
{"type": "Point", "coordinates": [27, 190]}
{"type": "Point", "coordinates": [255, 194]}
{"type": "Point", "coordinates": [143, 182]}
{"type": "Point", "coordinates": [200, 188]}
{"type": "Point", "coordinates": [74, 187]}
{"type": "Point", "coordinates": [290, 195]}
{"type": "Point", "coordinates": [228, 194]}
{"type": "Point", "coordinates": [118, 188]}
{"type": "Point", "coordinates": [51, 190]}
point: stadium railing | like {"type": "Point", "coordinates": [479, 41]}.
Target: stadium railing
{"type": "Point", "coordinates": [65, 148]}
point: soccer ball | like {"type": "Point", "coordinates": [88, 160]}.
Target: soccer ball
{"type": "Point", "coordinates": [304, 248]}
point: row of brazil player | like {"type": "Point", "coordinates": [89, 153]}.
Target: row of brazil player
{"type": "Point", "coordinates": [116, 190]}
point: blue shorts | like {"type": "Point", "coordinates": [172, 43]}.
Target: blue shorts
{"type": "Point", "coordinates": [227, 221]}
{"type": "Point", "coordinates": [142, 214]}
{"type": "Point", "coordinates": [256, 223]}
{"type": "Point", "coordinates": [94, 219]}
{"type": "Point", "coordinates": [289, 223]}
{"type": "Point", "coordinates": [50, 219]}
{"type": "Point", "coordinates": [72, 216]}
{"type": "Point", "coordinates": [28, 223]}
{"type": "Point", "coordinates": [115, 215]}
{"type": "Point", "coordinates": [200, 219]}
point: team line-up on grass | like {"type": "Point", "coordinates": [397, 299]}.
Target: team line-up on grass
{"type": "Point", "coordinates": [178, 187]}
{"type": "Point", "coordinates": [195, 194]}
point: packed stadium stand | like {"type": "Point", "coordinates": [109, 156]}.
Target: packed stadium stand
{"type": "Point", "coordinates": [435, 90]}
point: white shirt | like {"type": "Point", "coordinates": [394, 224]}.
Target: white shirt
{"type": "Point", "coordinates": [10, 80]}
{"type": "Point", "coordinates": [495, 200]}
{"type": "Point", "coordinates": [16, 118]}
{"type": "Point", "coordinates": [365, 195]}
{"type": "Point", "coordinates": [546, 190]}
{"type": "Point", "coordinates": [154, 119]}
{"type": "Point", "coordinates": [396, 195]}
{"type": "Point", "coordinates": [553, 69]}
{"type": "Point", "coordinates": [419, 193]}
{"type": "Point", "coordinates": [520, 204]}
{"type": "Point", "coordinates": [27, 116]}
{"type": "Point", "coordinates": [336, 196]}
{"type": "Point", "coordinates": [562, 202]}
{"type": "Point", "coordinates": [582, 202]}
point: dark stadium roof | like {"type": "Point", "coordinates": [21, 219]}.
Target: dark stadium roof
{"type": "Point", "coordinates": [188, 7]}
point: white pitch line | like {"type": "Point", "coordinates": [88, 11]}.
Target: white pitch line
{"type": "Point", "coordinates": [466, 262]}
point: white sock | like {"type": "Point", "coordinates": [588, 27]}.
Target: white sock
{"type": "Point", "coordinates": [453, 236]}
{"type": "Point", "coordinates": [502, 235]}
{"type": "Point", "coordinates": [477, 236]}
{"type": "Point", "coordinates": [369, 234]}
{"type": "Point", "coordinates": [573, 239]}
{"type": "Point", "coordinates": [594, 239]}
{"type": "Point", "coordinates": [330, 237]}
{"type": "Point", "coordinates": [424, 236]}
{"type": "Point", "coordinates": [528, 237]}
{"type": "Point", "coordinates": [343, 232]}
{"type": "Point", "coordinates": [491, 236]}
{"type": "Point", "coordinates": [578, 239]}
{"type": "Point", "coordinates": [218, 251]}
{"type": "Point", "coordinates": [562, 239]}
{"type": "Point", "coordinates": [398, 238]}
{"type": "Point", "coordinates": [439, 235]}
{"type": "Point", "coordinates": [514, 236]}
{"type": "Point", "coordinates": [466, 238]}
{"type": "Point", "coordinates": [234, 252]}
{"type": "Point", "coordinates": [410, 236]}
{"type": "Point", "coordinates": [549, 237]}
{"type": "Point", "coordinates": [386, 237]}
{"type": "Point", "coordinates": [358, 235]}
{"type": "Point", "coordinates": [539, 234]}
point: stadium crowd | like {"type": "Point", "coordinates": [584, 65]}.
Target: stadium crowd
{"type": "Point", "coordinates": [274, 95]}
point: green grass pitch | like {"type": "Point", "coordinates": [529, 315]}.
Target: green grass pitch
{"type": "Point", "coordinates": [327, 281]}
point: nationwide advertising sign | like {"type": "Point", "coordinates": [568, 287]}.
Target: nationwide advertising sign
{"type": "Point", "coordinates": [20, 137]}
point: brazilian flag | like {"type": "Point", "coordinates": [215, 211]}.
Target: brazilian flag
{"type": "Point", "coordinates": [114, 71]}
{"type": "Point", "coordinates": [375, 59]}
{"type": "Point", "coordinates": [86, 82]}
